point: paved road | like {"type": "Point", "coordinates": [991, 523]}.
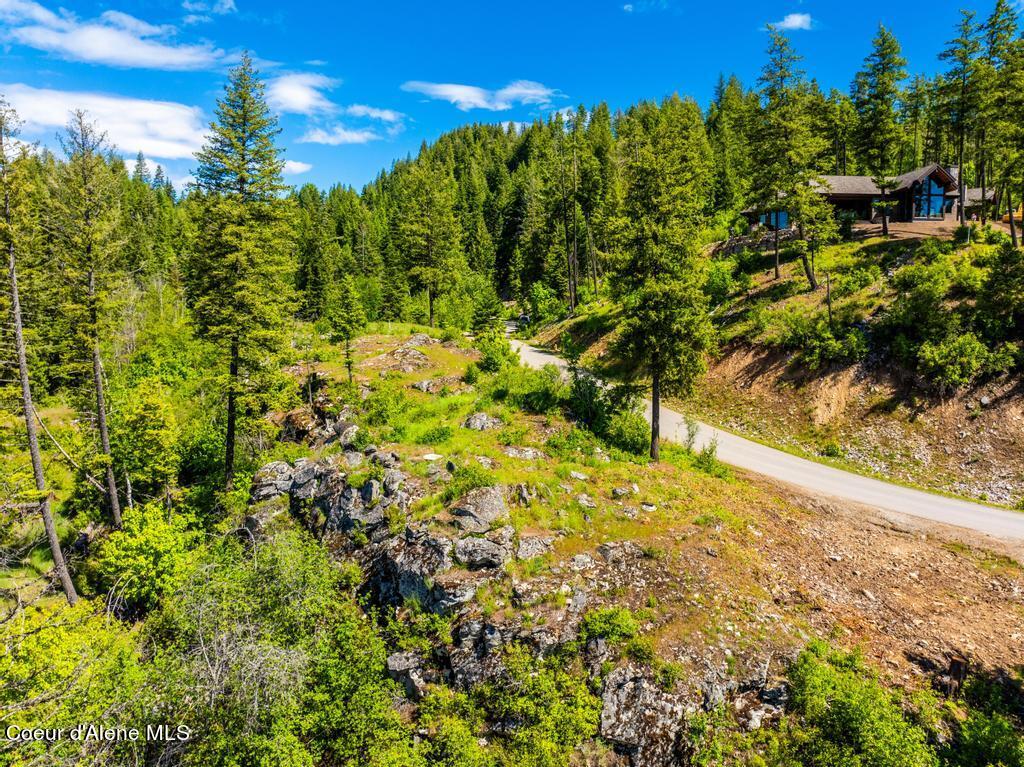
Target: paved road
{"type": "Point", "coordinates": [821, 479]}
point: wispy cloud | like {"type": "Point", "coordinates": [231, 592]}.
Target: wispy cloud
{"type": "Point", "coordinates": [200, 10]}
{"type": "Point", "coordinates": [301, 93]}
{"type": "Point", "coordinates": [338, 135]}
{"type": "Point", "coordinates": [115, 38]}
{"type": "Point", "coordinates": [642, 6]}
{"type": "Point", "coordinates": [384, 115]}
{"type": "Point", "coordinates": [160, 129]}
{"type": "Point", "coordinates": [795, 21]}
{"type": "Point", "coordinates": [467, 97]}
{"type": "Point", "coordinates": [295, 168]}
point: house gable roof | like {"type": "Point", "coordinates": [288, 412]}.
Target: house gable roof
{"type": "Point", "coordinates": [864, 185]}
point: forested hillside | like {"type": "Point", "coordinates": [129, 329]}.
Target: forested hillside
{"type": "Point", "coordinates": [256, 482]}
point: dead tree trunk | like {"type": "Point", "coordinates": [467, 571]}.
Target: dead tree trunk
{"type": "Point", "coordinates": [101, 404]}
{"type": "Point", "coordinates": [59, 565]}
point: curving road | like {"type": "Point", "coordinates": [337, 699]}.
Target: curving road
{"type": "Point", "coordinates": [820, 479]}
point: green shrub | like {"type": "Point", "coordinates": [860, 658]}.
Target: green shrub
{"type": "Point", "coordinates": [545, 306]}
{"type": "Point", "coordinates": [385, 406]}
{"type": "Point", "coordinates": [466, 478]}
{"type": "Point", "coordinates": [537, 391]}
{"type": "Point", "coordinates": [146, 558]}
{"type": "Point", "coordinates": [495, 350]}
{"type": "Point", "coordinates": [629, 431]}
{"type": "Point", "coordinates": [472, 374]}
{"type": "Point", "coordinates": [435, 435]}
{"type": "Point", "coordinates": [850, 282]}
{"type": "Point", "coordinates": [847, 219]}
{"type": "Point", "coordinates": [954, 362]}
{"type": "Point", "coordinates": [850, 720]}
{"type": "Point", "coordinates": [613, 624]}
{"type": "Point", "coordinates": [719, 283]}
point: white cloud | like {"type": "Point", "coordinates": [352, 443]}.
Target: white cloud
{"type": "Point", "coordinates": [21, 11]}
{"type": "Point", "coordinates": [384, 115]}
{"type": "Point", "coordinates": [201, 7]}
{"type": "Point", "coordinates": [467, 97]}
{"type": "Point", "coordinates": [294, 167]}
{"type": "Point", "coordinates": [115, 38]}
{"type": "Point", "coordinates": [162, 129]}
{"type": "Point", "coordinates": [338, 135]}
{"type": "Point", "coordinates": [795, 21]}
{"type": "Point", "coordinates": [137, 26]}
{"type": "Point", "coordinates": [195, 18]}
{"type": "Point", "coordinates": [301, 93]}
{"type": "Point", "coordinates": [628, 7]}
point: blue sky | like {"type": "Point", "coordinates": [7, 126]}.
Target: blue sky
{"type": "Point", "coordinates": [361, 84]}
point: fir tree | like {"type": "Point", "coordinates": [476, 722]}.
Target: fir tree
{"type": "Point", "coordinates": [665, 331]}
{"type": "Point", "coordinates": [236, 278]}
{"type": "Point", "coordinates": [348, 318]}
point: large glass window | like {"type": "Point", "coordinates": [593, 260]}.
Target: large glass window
{"type": "Point", "coordinates": [929, 199]}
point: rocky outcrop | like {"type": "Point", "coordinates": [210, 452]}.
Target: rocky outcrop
{"type": "Point", "coordinates": [482, 422]}
{"type": "Point", "coordinates": [410, 671]}
{"type": "Point", "coordinates": [642, 720]}
{"type": "Point", "coordinates": [494, 550]}
{"type": "Point", "coordinates": [320, 495]}
{"type": "Point", "coordinates": [479, 509]}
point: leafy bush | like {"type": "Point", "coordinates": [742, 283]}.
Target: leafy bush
{"type": "Point", "coordinates": [545, 306]}
{"type": "Point", "coordinates": [818, 343]}
{"type": "Point", "coordinates": [551, 704]}
{"type": "Point", "coordinates": [435, 435]}
{"type": "Point", "coordinates": [720, 284]}
{"type": "Point", "coordinates": [627, 430]}
{"type": "Point", "coordinates": [466, 478]}
{"type": "Point", "coordinates": [538, 391]}
{"type": "Point", "coordinates": [850, 720]}
{"type": "Point", "coordinates": [386, 406]}
{"type": "Point", "coordinates": [953, 362]}
{"type": "Point", "coordinates": [496, 352]}
{"type": "Point", "coordinates": [146, 559]}
{"type": "Point", "coordinates": [855, 280]}
{"type": "Point", "coordinates": [613, 624]}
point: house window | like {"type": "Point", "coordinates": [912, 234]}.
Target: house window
{"type": "Point", "coordinates": [929, 199]}
{"type": "Point", "coordinates": [769, 220]}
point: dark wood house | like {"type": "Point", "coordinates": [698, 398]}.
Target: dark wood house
{"type": "Point", "coordinates": [928, 193]}
{"type": "Point", "coordinates": [925, 194]}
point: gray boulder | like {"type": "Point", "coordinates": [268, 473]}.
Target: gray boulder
{"type": "Point", "coordinates": [478, 553]}
{"type": "Point", "coordinates": [392, 482]}
{"type": "Point", "coordinates": [344, 432]}
{"type": "Point", "coordinates": [407, 565]}
{"type": "Point", "coordinates": [533, 546]}
{"type": "Point", "coordinates": [642, 719]}
{"type": "Point", "coordinates": [407, 668]}
{"type": "Point", "coordinates": [388, 460]}
{"type": "Point", "coordinates": [271, 481]}
{"type": "Point", "coordinates": [480, 509]}
{"type": "Point", "coordinates": [482, 422]}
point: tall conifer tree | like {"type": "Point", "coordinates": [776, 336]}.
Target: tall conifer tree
{"type": "Point", "coordinates": [237, 277]}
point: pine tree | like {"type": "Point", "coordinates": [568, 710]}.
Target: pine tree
{"type": "Point", "coordinates": [876, 93]}
{"type": "Point", "coordinates": [962, 87]}
{"type": "Point", "coordinates": [665, 331]}
{"type": "Point", "coordinates": [786, 149]}
{"type": "Point", "coordinates": [348, 318]}
{"type": "Point", "coordinates": [997, 96]}
{"type": "Point", "coordinates": [428, 234]}
{"type": "Point", "coordinates": [15, 230]}
{"type": "Point", "coordinates": [83, 221]}
{"type": "Point", "coordinates": [319, 254]}
{"type": "Point", "coordinates": [236, 279]}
